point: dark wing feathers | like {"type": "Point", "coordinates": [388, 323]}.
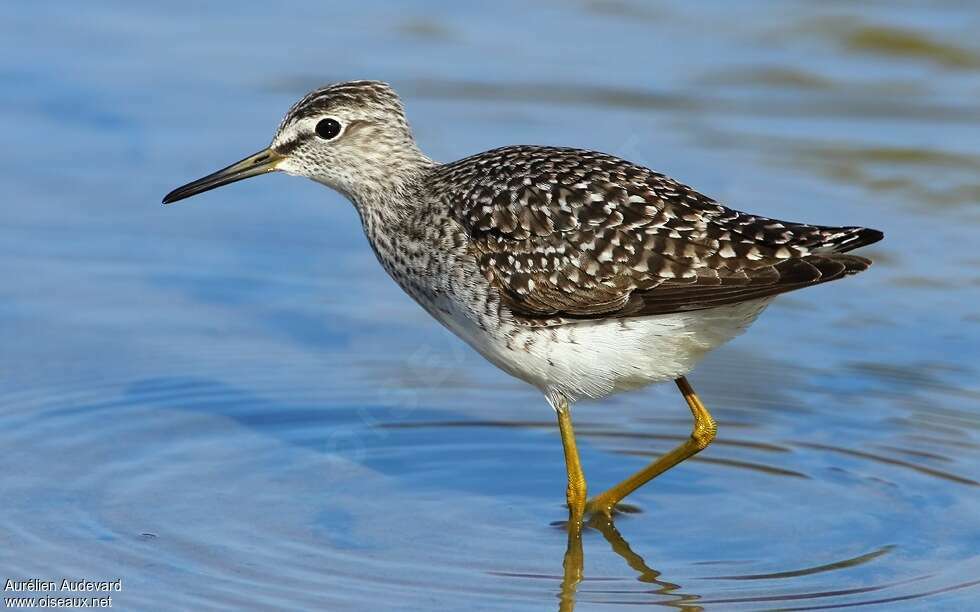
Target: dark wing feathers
{"type": "Point", "coordinates": [566, 233]}
{"type": "Point", "coordinates": [785, 276]}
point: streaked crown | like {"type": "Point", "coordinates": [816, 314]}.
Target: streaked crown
{"type": "Point", "coordinates": [374, 97]}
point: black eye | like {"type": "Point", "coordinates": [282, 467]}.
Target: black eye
{"type": "Point", "coordinates": [327, 128]}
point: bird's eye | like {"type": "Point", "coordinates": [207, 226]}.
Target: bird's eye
{"type": "Point", "coordinates": [327, 128]}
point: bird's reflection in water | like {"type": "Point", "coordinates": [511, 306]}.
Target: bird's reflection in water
{"type": "Point", "coordinates": [572, 570]}
{"type": "Point", "coordinates": [574, 562]}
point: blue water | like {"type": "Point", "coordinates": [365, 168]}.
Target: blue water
{"type": "Point", "coordinates": [227, 405]}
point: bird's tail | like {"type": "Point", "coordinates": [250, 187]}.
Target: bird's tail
{"type": "Point", "coordinates": [841, 239]}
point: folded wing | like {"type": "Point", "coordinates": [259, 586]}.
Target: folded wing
{"type": "Point", "coordinates": [566, 233]}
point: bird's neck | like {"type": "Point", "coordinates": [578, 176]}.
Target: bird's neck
{"type": "Point", "coordinates": [397, 219]}
{"type": "Point", "coordinates": [393, 192]}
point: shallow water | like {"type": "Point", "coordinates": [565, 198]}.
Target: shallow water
{"type": "Point", "coordinates": [227, 405]}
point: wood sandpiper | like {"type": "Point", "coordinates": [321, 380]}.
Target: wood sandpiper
{"type": "Point", "coordinates": [575, 271]}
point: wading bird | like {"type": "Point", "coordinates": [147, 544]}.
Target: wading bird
{"type": "Point", "coordinates": [578, 272]}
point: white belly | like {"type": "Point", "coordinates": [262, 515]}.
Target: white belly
{"type": "Point", "coordinates": [594, 359]}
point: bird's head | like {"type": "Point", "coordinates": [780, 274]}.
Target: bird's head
{"type": "Point", "coordinates": [350, 136]}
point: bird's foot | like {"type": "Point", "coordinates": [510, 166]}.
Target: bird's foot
{"type": "Point", "coordinates": [597, 507]}
{"type": "Point", "coordinates": [592, 513]}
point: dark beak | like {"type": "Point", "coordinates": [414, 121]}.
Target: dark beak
{"type": "Point", "coordinates": [262, 162]}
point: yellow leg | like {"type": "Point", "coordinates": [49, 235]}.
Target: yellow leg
{"type": "Point", "coordinates": [576, 493]}
{"type": "Point", "coordinates": [576, 496]}
{"type": "Point", "coordinates": [701, 436]}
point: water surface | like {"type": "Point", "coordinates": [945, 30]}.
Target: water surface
{"type": "Point", "coordinates": [227, 404]}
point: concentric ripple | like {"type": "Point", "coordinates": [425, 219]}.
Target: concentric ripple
{"type": "Point", "coordinates": [228, 496]}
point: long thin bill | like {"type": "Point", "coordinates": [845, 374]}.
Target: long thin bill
{"type": "Point", "coordinates": [262, 162]}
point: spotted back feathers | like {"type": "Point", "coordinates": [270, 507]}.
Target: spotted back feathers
{"type": "Point", "coordinates": [569, 233]}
